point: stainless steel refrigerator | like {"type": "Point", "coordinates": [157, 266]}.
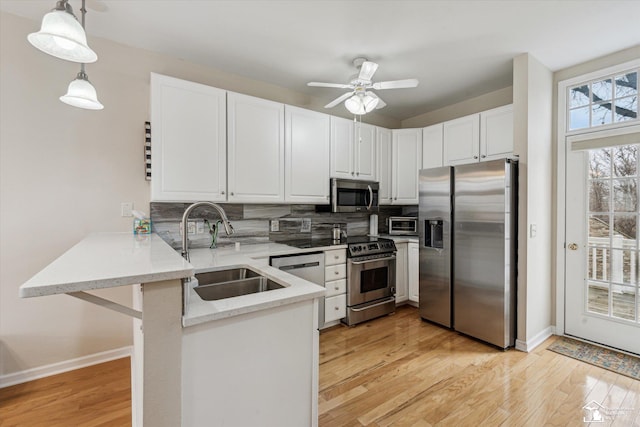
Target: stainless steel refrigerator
{"type": "Point", "coordinates": [467, 226]}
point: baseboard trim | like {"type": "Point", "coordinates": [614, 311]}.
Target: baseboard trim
{"type": "Point", "coordinates": [64, 366]}
{"type": "Point", "coordinates": [529, 345]}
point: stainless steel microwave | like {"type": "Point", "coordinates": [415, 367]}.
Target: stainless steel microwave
{"type": "Point", "coordinates": [349, 195]}
{"type": "Point", "coordinates": [403, 225]}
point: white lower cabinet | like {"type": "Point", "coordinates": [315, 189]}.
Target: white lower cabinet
{"type": "Point", "coordinates": [335, 308]}
{"type": "Point", "coordinates": [335, 283]}
{"type": "Point", "coordinates": [402, 282]}
{"type": "Point", "coordinates": [413, 275]}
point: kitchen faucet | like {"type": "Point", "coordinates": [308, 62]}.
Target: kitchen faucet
{"type": "Point", "coordinates": [228, 228]}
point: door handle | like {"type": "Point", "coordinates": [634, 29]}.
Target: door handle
{"type": "Point", "coordinates": [572, 246]}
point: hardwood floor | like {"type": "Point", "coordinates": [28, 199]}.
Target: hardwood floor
{"type": "Point", "coordinates": [402, 371]}
{"type": "Point", "coordinates": [98, 395]}
{"type": "Point", "coordinates": [396, 370]}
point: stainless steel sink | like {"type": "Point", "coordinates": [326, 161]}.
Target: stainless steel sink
{"type": "Point", "coordinates": [215, 285]}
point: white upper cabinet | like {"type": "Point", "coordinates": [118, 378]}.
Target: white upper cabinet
{"type": "Point", "coordinates": [342, 135]}
{"type": "Point", "coordinates": [384, 166]}
{"type": "Point", "coordinates": [496, 133]}
{"type": "Point", "coordinates": [479, 137]}
{"type": "Point", "coordinates": [406, 162]}
{"type": "Point", "coordinates": [188, 151]}
{"type": "Point", "coordinates": [462, 140]}
{"type": "Point", "coordinates": [432, 141]}
{"type": "Point", "coordinates": [353, 150]}
{"type": "Point", "coordinates": [255, 132]}
{"type": "Point", "coordinates": [365, 152]}
{"type": "Point", "coordinates": [307, 142]}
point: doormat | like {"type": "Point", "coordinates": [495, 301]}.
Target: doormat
{"type": "Point", "coordinates": [608, 359]}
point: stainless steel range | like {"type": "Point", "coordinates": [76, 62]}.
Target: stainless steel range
{"type": "Point", "coordinates": [371, 278]}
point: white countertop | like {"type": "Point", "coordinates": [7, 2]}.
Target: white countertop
{"type": "Point", "coordinates": [107, 260]}
{"type": "Point", "coordinates": [255, 257]}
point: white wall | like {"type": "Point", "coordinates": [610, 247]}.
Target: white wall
{"type": "Point", "coordinates": [63, 174]}
{"type": "Point", "coordinates": [480, 103]}
{"type": "Point", "coordinates": [533, 110]}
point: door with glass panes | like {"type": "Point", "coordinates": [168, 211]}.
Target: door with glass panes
{"type": "Point", "coordinates": [602, 271]}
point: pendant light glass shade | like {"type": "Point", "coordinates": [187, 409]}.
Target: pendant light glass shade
{"type": "Point", "coordinates": [370, 102]}
{"type": "Point", "coordinates": [82, 94]}
{"type": "Point", "coordinates": [62, 36]}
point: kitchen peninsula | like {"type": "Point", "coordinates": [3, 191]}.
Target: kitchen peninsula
{"type": "Point", "coordinates": [248, 360]}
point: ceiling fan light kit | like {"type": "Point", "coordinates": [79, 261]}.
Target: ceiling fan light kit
{"type": "Point", "coordinates": [62, 36]}
{"type": "Point", "coordinates": [360, 100]}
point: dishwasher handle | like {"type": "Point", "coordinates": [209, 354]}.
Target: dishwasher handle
{"type": "Point", "coordinates": [298, 266]}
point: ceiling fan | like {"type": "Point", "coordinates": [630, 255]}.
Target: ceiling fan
{"type": "Point", "coordinates": [360, 99]}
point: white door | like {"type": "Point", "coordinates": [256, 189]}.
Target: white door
{"type": "Point", "coordinates": [601, 249]}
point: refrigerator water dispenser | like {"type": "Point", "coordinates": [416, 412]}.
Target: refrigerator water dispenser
{"type": "Point", "coordinates": [433, 233]}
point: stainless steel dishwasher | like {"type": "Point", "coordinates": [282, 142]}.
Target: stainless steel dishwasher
{"type": "Point", "coordinates": [308, 266]}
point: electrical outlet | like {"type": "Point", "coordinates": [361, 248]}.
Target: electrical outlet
{"type": "Point", "coordinates": [306, 225]}
{"type": "Point", "coordinates": [275, 225]}
{"type": "Point", "coordinates": [199, 227]}
{"type": "Point", "coordinates": [191, 227]}
{"type": "Point", "coordinates": [126, 208]}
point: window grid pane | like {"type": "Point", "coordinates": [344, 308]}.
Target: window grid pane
{"type": "Point", "coordinates": [604, 101]}
{"type": "Point", "coordinates": [613, 252]}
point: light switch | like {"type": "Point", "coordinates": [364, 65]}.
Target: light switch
{"type": "Point", "coordinates": [275, 225]}
{"type": "Point", "coordinates": [306, 225]}
{"type": "Point", "coordinates": [533, 230]}
{"type": "Point", "coordinates": [126, 208]}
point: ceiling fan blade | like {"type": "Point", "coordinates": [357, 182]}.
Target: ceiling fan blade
{"type": "Point", "coordinates": [338, 85]}
{"type": "Point", "coordinates": [396, 84]}
{"type": "Point", "coordinates": [338, 100]}
{"type": "Point", "coordinates": [367, 70]}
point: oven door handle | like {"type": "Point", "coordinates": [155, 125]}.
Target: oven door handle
{"type": "Point", "coordinates": [386, 301]}
{"type": "Point", "coordinates": [392, 257]}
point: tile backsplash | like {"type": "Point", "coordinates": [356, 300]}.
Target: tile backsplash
{"type": "Point", "coordinates": [252, 223]}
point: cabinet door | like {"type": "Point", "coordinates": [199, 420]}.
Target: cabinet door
{"type": "Point", "coordinates": [406, 161]}
{"type": "Point", "coordinates": [413, 262]}
{"type": "Point", "coordinates": [188, 152]}
{"type": "Point", "coordinates": [342, 148]}
{"type": "Point", "coordinates": [256, 149]}
{"type": "Point", "coordinates": [365, 152]}
{"type": "Point", "coordinates": [402, 284]}
{"type": "Point", "coordinates": [496, 133]}
{"type": "Point", "coordinates": [432, 146]}
{"type": "Point", "coordinates": [462, 140]}
{"type": "Point", "coordinates": [384, 166]}
{"type": "Point", "coordinates": [307, 140]}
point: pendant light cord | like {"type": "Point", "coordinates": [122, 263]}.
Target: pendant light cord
{"type": "Point", "coordinates": [83, 11]}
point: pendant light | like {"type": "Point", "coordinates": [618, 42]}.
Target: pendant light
{"type": "Point", "coordinates": [62, 36]}
{"type": "Point", "coordinates": [81, 92]}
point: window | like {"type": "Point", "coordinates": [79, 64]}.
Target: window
{"type": "Point", "coordinates": [606, 101]}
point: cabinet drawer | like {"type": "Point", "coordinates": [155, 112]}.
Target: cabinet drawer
{"type": "Point", "coordinates": [337, 256]}
{"type": "Point", "coordinates": [335, 287]}
{"type": "Point", "coordinates": [335, 308]}
{"type": "Point", "coordinates": [335, 272]}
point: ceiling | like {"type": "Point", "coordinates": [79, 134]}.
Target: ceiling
{"type": "Point", "coordinates": [457, 49]}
